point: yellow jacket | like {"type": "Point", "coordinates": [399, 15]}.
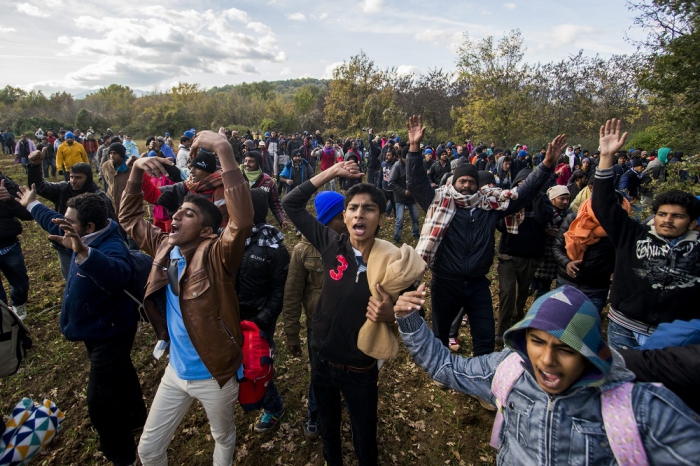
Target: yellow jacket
{"type": "Point", "coordinates": [67, 156]}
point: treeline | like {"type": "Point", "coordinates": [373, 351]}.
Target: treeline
{"type": "Point", "coordinates": [492, 95]}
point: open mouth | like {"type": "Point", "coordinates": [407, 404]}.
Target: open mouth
{"type": "Point", "coordinates": [359, 229]}
{"type": "Point", "coordinates": [174, 229]}
{"type": "Point", "coordinates": [550, 380]}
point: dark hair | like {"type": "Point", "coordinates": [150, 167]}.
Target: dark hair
{"type": "Point", "coordinates": [210, 212]}
{"type": "Point", "coordinates": [676, 197]}
{"type": "Point", "coordinates": [184, 139]}
{"type": "Point", "coordinates": [578, 175]}
{"type": "Point", "coordinates": [91, 208]}
{"type": "Point", "coordinates": [148, 141]}
{"type": "Point", "coordinates": [563, 159]}
{"type": "Point", "coordinates": [507, 158]}
{"type": "Point", "coordinates": [83, 168]}
{"type": "Point", "coordinates": [376, 194]}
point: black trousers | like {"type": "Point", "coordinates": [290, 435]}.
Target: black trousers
{"type": "Point", "coordinates": [115, 402]}
{"type": "Point", "coordinates": [359, 390]}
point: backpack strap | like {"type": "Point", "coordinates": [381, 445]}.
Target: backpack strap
{"type": "Point", "coordinates": [621, 426]}
{"type": "Point", "coordinates": [507, 372]}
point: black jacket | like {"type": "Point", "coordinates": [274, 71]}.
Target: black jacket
{"type": "Point", "coordinates": [466, 250]}
{"type": "Point", "coordinates": [531, 237]}
{"type": "Point", "coordinates": [10, 212]}
{"type": "Point", "coordinates": [345, 293]}
{"type": "Point", "coordinates": [655, 281]}
{"type": "Point", "coordinates": [260, 282]}
{"type": "Point", "coordinates": [678, 368]}
{"type": "Point", "coordinates": [60, 192]}
{"type": "Point", "coordinates": [597, 266]}
{"type": "Point", "coordinates": [397, 183]}
{"type": "Point", "coordinates": [374, 155]}
{"type": "Point", "coordinates": [437, 171]}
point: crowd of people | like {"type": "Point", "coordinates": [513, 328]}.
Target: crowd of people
{"type": "Point", "coordinates": [199, 209]}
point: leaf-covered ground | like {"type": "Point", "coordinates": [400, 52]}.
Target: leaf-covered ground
{"type": "Point", "coordinates": [419, 422]}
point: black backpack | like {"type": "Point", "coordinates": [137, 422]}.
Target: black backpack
{"type": "Point", "coordinates": [14, 341]}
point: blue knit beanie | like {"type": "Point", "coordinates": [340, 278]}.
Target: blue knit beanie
{"type": "Point", "coordinates": [69, 135]}
{"type": "Point", "coordinates": [328, 204]}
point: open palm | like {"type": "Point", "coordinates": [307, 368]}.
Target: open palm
{"type": "Point", "coordinates": [610, 139]}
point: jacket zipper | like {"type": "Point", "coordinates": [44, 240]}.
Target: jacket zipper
{"type": "Point", "coordinates": [548, 429]}
{"type": "Point", "coordinates": [228, 332]}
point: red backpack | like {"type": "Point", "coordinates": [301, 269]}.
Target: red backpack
{"type": "Point", "coordinates": [257, 367]}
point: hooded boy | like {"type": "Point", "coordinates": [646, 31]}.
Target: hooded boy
{"type": "Point", "coordinates": [552, 414]}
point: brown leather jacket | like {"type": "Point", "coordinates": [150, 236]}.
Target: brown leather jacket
{"type": "Point", "coordinates": [208, 298]}
{"type": "Point", "coordinates": [116, 183]}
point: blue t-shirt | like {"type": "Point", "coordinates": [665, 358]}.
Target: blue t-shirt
{"type": "Point", "coordinates": [183, 357]}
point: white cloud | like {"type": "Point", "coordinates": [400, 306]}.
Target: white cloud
{"type": "Point", "coordinates": [450, 39]}
{"type": "Point", "coordinates": [31, 10]}
{"type": "Point", "coordinates": [161, 45]}
{"type": "Point", "coordinates": [296, 16]}
{"type": "Point", "coordinates": [53, 3]}
{"type": "Point", "coordinates": [372, 6]}
{"type": "Point", "coordinates": [7, 30]}
{"type": "Point", "coordinates": [510, 6]}
{"type": "Point", "coordinates": [328, 72]}
{"type": "Point", "coordinates": [564, 35]}
{"type": "Point", "coordinates": [323, 16]}
{"type": "Point", "coordinates": [286, 71]}
{"type": "Point", "coordinates": [407, 69]}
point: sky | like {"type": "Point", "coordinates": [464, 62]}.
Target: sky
{"type": "Point", "coordinates": [82, 45]}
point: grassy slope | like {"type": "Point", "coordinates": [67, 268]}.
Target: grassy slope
{"type": "Point", "coordinates": [418, 422]}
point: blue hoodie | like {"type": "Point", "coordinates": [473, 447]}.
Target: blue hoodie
{"type": "Point", "coordinates": [567, 428]}
{"type": "Point", "coordinates": [95, 306]}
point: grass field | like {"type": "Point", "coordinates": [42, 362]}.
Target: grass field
{"type": "Point", "coordinates": [419, 423]}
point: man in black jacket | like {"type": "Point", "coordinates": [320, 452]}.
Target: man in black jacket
{"type": "Point", "coordinates": [374, 168]}
{"type": "Point", "coordinates": [462, 255]}
{"type": "Point", "coordinates": [591, 273]}
{"type": "Point", "coordinates": [402, 198]}
{"type": "Point", "coordinates": [657, 278]}
{"type": "Point", "coordinates": [59, 193]}
{"type": "Point", "coordinates": [438, 169]}
{"type": "Point", "coordinates": [260, 288]}
{"type": "Point", "coordinates": [11, 257]}
{"type": "Point", "coordinates": [520, 252]}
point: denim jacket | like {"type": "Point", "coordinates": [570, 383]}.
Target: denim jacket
{"type": "Point", "coordinates": [564, 429]}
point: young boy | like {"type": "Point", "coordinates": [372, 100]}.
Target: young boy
{"type": "Point", "coordinates": [191, 301]}
{"type": "Point", "coordinates": [338, 366]}
{"type": "Point", "coordinates": [553, 414]}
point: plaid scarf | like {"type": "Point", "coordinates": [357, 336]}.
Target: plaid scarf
{"type": "Point", "coordinates": [443, 208]}
{"type": "Point", "coordinates": [265, 235]}
{"type": "Point", "coordinates": [206, 185]}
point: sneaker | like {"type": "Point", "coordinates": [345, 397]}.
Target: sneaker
{"type": "Point", "coordinates": [21, 311]}
{"type": "Point", "coordinates": [484, 404]}
{"type": "Point", "coordinates": [311, 431]}
{"type": "Point", "coordinates": [268, 421]}
{"type": "Point", "coordinates": [454, 344]}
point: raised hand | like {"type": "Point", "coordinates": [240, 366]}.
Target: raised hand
{"type": "Point", "coordinates": [36, 157]}
{"type": "Point", "coordinates": [347, 169]}
{"type": "Point", "coordinates": [416, 130]}
{"type": "Point", "coordinates": [554, 150]}
{"type": "Point", "coordinates": [70, 239]}
{"type": "Point", "coordinates": [410, 301]}
{"type": "Point", "coordinates": [154, 166]}
{"type": "Point", "coordinates": [27, 196]}
{"type": "Point", "coordinates": [610, 139]}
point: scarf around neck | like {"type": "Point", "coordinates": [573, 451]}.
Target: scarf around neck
{"type": "Point", "coordinates": [253, 175]}
{"type": "Point", "coordinates": [444, 207]}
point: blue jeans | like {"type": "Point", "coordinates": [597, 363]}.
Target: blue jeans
{"type": "Point", "coordinates": [449, 296]}
{"type": "Point", "coordinates": [620, 337]}
{"type": "Point", "coordinates": [360, 392]}
{"type": "Point", "coordinates": [398, 227]}
{"type": "Point", "coordinates": [49, 163]}
{"type": "Point", "coordinates": [598, 298]}
{"type": "Point", "coordinates": [12, 266]}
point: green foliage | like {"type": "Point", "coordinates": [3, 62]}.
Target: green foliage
{"type": "Point", "coordinates": [29, 125]}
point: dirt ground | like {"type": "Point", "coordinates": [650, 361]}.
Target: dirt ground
{"type": "Point", "coordinates": [419, 423]}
